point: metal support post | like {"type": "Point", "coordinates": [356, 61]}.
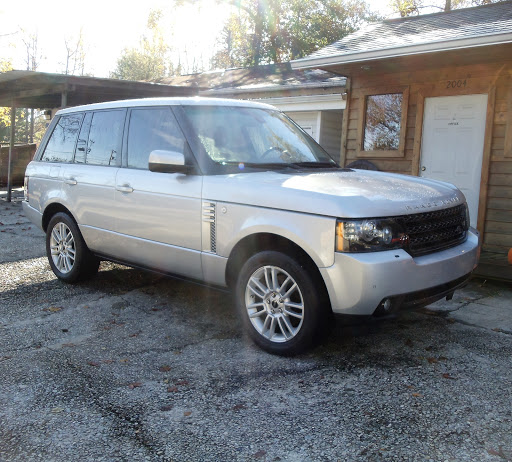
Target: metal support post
{"type": "Point", "coordinates": [11, 149]}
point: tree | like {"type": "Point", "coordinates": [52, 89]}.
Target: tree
{"type": "Point", "coordinates": [415, 7]}
{"type": "Point", "coordinates": [150, 60]}
{"type": "Point", "coordinates": [75, 55]}
{"type": "Point", "coordinates": [273, 31]}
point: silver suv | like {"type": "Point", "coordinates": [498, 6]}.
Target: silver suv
{"type": "Point", "coordinates": [234, 194]}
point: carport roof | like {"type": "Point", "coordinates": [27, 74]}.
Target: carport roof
{"type": "Point", "coordinates": [40, 90]}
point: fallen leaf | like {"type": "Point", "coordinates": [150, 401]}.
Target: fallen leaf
{"type": "Point", "coordinates": [448, 376]}
{"type": "Point", "coordinates": [68, 345]}
{"type": "Point", "coordinates": [260, 454]}
{"type": "Point", "coordinates": [166, 408]}
{"type": "Point", "coordinates": [237, 407]}
{"type": "Point", "coordinates": [124, 360]}
{"type": "Point", "coordinates": [93, 363]}
{"type": "Point", "coordinates": [134, 335]}
{"type": "Point", "coordinates": [172, 389]}
{"type": "Point", "coordinates": [135, 385]}
{"type": "Point", "coordinates": [432, 360]}
{"type": "Point", "coordinates": [53, 309]}
{"type": "Point", "coordinates": [417, 395]}
{"type": "Point", "coordinates": [187, 413]}
{"type": "Point", "coordinates": [183, 383]}
{"type": "Point", "coordinates": [443, 358]}
{"type": "Point", "coordinates": [56, 410]}
{"type": "Point", "coordinates": [107, 361]}
{"type": "Point", "coordinates": [164, 368]}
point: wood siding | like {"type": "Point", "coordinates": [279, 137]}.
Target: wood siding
{"type": "Point", "coordinates": [330, 136]}
{"type": "Point", "coordinates": [491, 78]}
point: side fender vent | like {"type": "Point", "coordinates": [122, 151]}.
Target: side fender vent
{"type": "Point", "coordinates": [209, 241]}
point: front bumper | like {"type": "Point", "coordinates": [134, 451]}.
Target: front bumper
{"type": "Point", "coordinates": [358, 282]}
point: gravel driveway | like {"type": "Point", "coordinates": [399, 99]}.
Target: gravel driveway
{"type": "Point", "coordinates": [131, 366]}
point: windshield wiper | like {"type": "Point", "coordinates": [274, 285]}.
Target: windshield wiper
{"type": "Point", "coordinates": [315, 164]}
{"type": "Point", "coordinates": [263, 165]}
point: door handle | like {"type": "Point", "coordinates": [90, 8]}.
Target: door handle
{"type": "Point", "coordinates": [423, 169]}
{"type": "Point", "coordinates": [125, 188]}
{"type": "Point", "coordinates": [70, 181]}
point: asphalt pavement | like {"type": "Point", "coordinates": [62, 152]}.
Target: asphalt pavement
{"type": "Point", "coordinates": [131, 366]}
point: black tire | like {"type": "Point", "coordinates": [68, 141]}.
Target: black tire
{"type": "Point", "coordinates": [72, 261]}
{"type": "Point", "coordinates": [270, 324]}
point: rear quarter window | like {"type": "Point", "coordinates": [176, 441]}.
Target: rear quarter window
{"type": "Point", "coordinates": [61, 145]}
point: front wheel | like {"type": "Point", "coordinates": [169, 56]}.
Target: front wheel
{"type": "Point", "coordinates": [280, 303]}
{"type": "Point", "coordinates": [68, 255]}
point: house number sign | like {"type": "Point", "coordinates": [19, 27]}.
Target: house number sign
{"type": "Point", "coordinates": [456, 83]}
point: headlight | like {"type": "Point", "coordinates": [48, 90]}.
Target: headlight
{"type": "Point", "coordinates": [369, 235]}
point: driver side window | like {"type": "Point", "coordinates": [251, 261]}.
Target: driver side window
{"type": "Point", "coordinates": [149, 130]}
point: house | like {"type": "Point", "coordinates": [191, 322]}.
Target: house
{"type": "Point", "coordinates": [432, 96]}
{"type": "Point", "coordinates": [313, 98]}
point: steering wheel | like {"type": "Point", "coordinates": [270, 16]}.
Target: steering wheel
{"type": "Point", "coordinates": [274, 148]}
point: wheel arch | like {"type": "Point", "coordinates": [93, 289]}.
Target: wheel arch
{"type": "Point", "coordinates": [258, 242]}
{"type": "Point", "coordinates": [51, 210]}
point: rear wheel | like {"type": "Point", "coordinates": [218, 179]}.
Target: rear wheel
{"type": "Point", "coordinates": [68, 255]}
{"type": "Point", "coordinates": [279, 302]}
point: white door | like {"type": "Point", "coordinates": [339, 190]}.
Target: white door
{"type": "Point", "coordinates": [453, 143]}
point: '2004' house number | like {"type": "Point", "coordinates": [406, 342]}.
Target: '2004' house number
{"type": "Point", "coordinates": [456, 83]}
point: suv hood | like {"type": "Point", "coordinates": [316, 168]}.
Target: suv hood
{"type": "Point", "coordinates": [341, 193]}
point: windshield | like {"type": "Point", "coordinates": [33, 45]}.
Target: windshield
{"type": "Point", "coordinates": [254, 137]}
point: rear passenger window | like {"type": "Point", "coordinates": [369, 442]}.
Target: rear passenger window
{"type": "Point", "coordinates": [104, 142]}
{"type": "Point", "coordinates": [152, 129]}
{"type": "Point", "coordinates": [61, 144]}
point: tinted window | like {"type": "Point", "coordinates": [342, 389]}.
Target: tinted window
{"type": "Point", "coordinates": [61, 145]}
{"type": "Point", "coordinates": [103, 145]}
{"type": "Point", "coordinates": [152, 129]}
{"type": "Point", "coordinates": [83, 137]}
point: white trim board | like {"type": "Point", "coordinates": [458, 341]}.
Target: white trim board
{"type": "Point", "coordinates": [332, 101]}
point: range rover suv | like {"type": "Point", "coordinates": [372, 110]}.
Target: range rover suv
{"type": "Point", "coordinates": [233, 193]}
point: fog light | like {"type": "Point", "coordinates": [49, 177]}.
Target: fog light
{"type": "Point", "coordinates": [386, 305]}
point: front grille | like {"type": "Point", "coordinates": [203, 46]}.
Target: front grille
{"type": "Point", "coordinates": [432, 231]}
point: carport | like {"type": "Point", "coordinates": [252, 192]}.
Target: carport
{"type": "Point", "coordinates": [40, 90]}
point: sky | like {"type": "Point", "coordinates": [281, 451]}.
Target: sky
{"type": "Point", "coordinates": [108, 27]}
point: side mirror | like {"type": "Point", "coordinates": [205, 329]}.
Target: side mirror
{"type": "Point", "coordinates": [167, 162]}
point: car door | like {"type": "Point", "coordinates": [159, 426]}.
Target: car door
{"type": "Point", "coordinates": [89, 182]}
{"type": "Point", "coordinates": [158, 215]}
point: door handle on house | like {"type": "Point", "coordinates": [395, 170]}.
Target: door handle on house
{"type": "Point", "coordinates": [423, 169]}
{"type": "Point", "coordinates": [125, 188]}
{"type": "Point", "coordinates": [70, 181]}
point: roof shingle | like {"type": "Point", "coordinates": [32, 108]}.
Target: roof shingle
{"type": "Point", "coordinates": [486, 20]}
